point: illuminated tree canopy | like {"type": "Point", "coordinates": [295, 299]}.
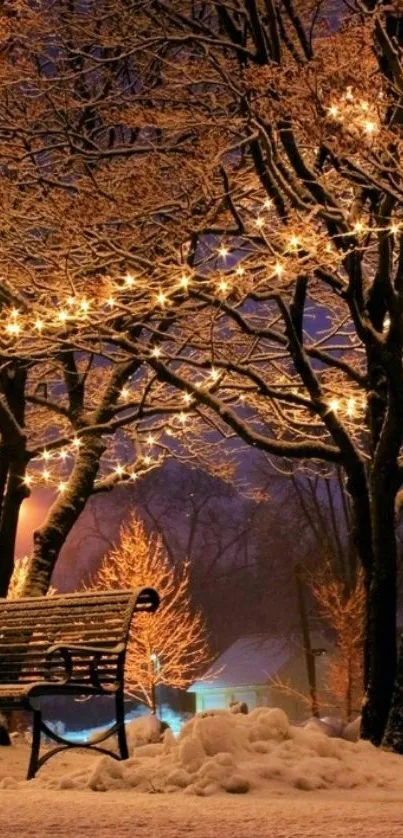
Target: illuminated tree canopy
{"type": "Point", "coordinates": [203, 236]}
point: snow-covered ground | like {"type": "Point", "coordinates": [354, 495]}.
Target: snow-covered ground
{"type": "Point", "coordinates": [229, 775]}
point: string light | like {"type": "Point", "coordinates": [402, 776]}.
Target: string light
{"type": "Point", "coordinates": [76, 443]}
{"type": "Point", "coordinates": [294, 242]}
{"type": "Point", "coordinates": [28, 480]}
{"type": "Point", "coordinates": [156, 352]}
{"type": "Point", "coordinates": [223, 286]}
{"type": "Point", "coordinates": [161, 298]}
{"type": "Point", "coordinates": [187, 397]}
{"type": "Point", "coordinates": [268, 203]}
{"type": "Point", "coordinates": [240, 270]}
{"type": "Point", "coordinates": [278, 269]}
{"type": "Point", "coordinates": [259, 221]}
{"type": "Point", "coordinates": [184, 281]}
{"type": "Point", "coordinates": [370, 127]}
{"type": "Point", "coordinates": [62, 316]}
{"type": "Point", "coordinates": [358, 227]}
{"type": "Point", "coordinates": [334, 111]}
{"type": "Point", "coordinates": [111, 302]}
{"type": "Point", "coordinates": [62, 486]}
{"type": "Point", "coordinates": [147, 459]}
{"type": "Point", "coordinates": [223, 251]}
{"type": "Point", "coordinates": [39, 324]}
{"type": "Point", "coordinates": [394, 228]}
{"type": "Point", "coordinates": [334, 405]}
{"type": "Point", "coordinates": [129, 281]}
{"type": "Point", "coordinates": [46, 474]}
{"type": "Point", "coordinates": [119, 470]}
{"type": "Point", "coordinates": [150, 439]}
{"type": "Point", "coordinates": [182, 417]}
{"type": "Point", "coordinates": [46, 456]}
{"type": "Point", "coordinates": [351, 407]}
{"type": "Point", "coordinates": [13, 328]}
{"type": "Point", "coordinates": [214, 374]}
{"type": "Point", "coordinates": [125, 393]}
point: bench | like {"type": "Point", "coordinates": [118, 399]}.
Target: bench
{"type": "Point", "coordinates": [67, 644]}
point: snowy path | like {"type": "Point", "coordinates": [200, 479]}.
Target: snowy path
{"type": "Point", "coordinates": [37, 812]}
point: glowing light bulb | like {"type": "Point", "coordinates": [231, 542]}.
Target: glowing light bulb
{"type": "Point", "coordinates": [76, 443]}
{"type": "Point", "coordinates": [84, 306]}
{"type": "Point", "coordinates": [63, 455]}
{"type": "Point", "coordinates": [124, 393]}
{"type": "Point", "coordinates": [133, 476]}
{"type": "Point", "coordinates": [223, 286]}
{"type": "Point", "coordinates": [240, 270]}
{"type": "Point", "coordinates": [358, 227]}
{"type": "Point", "coordinates": [119, 470]}
{"type": "Point", "coordinates": [268, 203]}
{"type": "Point", "coordinates": [187, 398]}
{"type": "Point", "coordinates": [62, 316]}
{"type": "Point", "coordinates": [184, 281]}
{"type": "Point", "coordinates": [129, 281]}
{"type": "Point", "coordinates": [62, 486]}
{"type": "Point", "coordinates": [259, 221]}
{"type": "Point", "coordinates": [386, 322]}
{"type": "Point", "coordinates": [223, 251]}
{"type": "Point", "coordinates": [150, 439]}
{"type": "Point", "coordinates": [394, 228]}
{"type": "Point", "coordinates": [156, 352]}
{"type": "Point", "coordinates": [214, 374]}
{"type": "Point", "coordinates": [46, 455]}
{"type": "Point", "coordinates": [147, 459]}
{"type": "Point", "coordinates": [28, 480]}
{"type": "Point", "coordinates": [334, 405]}
{"type": "Point", "coordinates": [351, 407]}
{"type": "Point", "coordinates": [13, 328]}
{"type": "Point", "coordinates": [46, 474]}
{"type": "Point", "coordinates": [182, 417]}
{"type": "Point", "coordinates": [70, 301]}
{"type": "Point", "coordinates": [334, 111]}
{"type": "Point", "coordinates": [370, 127]}
{"type": "Point", "coordinates": [111, 302]}
{"type": "Point", "coordinates": [39, 324]}
{"type": "Point", "coordinates": [161, 298]}
{"type": "Point", "coordinates": [294, 242]}
{"type": "Point", "coordinates": [14, 313]}
{"type": "Point", "coordinates": [278, 269]}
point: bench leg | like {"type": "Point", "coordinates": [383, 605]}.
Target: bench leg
{"type": "Point", "coordinates": [36, 744]}
{"type": "Point", "coordinates": [120, 719]}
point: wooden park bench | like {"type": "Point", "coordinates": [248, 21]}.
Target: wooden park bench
{"type": "Point", "coordinates": [69, 644]}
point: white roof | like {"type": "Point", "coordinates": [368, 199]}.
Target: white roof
{"type": "Point", "coordinates": [253, 659]}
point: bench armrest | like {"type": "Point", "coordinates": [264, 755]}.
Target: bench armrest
{"type": "Point", "coordinates": [96, 653]}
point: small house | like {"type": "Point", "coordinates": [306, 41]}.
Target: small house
{"type": "Point", "coordinates": [262, 671]}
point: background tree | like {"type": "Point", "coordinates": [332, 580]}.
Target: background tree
{"type": "Point", "coordinates": [343, 610]}
{"type": "Point", "coordinates": [172, 649]}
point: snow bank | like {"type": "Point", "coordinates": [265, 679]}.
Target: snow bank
{"type": "Point", "coordinates": [236, 753]}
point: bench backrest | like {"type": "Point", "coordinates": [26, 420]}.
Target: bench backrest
{"type": "Point", "coordinates": [30, 626]}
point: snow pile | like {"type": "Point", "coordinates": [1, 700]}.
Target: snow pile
{"type": "Point", "coordinates": [236, 753]}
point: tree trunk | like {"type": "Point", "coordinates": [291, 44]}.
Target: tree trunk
{"type": "Point", "coordinates": [381, 622]}
{"type": "Point", "coordinates": [16, 492]}
{"type": "Point", "coordinates": [49, 539]}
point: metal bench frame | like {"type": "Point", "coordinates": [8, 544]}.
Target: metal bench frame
{"type": "Point", "coordinates": [20, 695]}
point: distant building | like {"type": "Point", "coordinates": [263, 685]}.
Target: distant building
{"type": "Point", "coordinates": [251, 670]}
